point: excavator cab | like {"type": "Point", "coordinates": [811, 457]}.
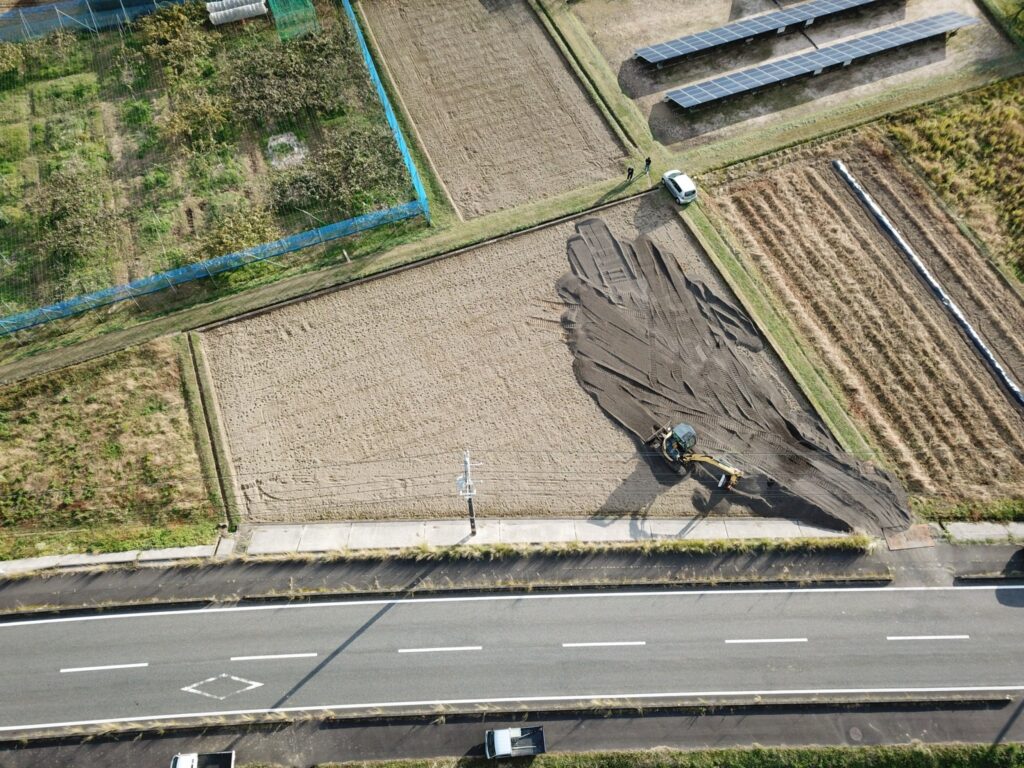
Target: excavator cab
{"type": "Point", "coordinates": [679, 442]}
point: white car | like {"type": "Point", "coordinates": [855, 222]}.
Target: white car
{"type": "Point", "coordinates": [680, 186]}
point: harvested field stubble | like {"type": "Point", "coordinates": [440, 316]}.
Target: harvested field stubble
{"type": "Point", "coordinates": [909, 377]}
{"type": "Point", "coordinates": [360, 403]}
{"type": "Point", "coordinates": [500, 113]}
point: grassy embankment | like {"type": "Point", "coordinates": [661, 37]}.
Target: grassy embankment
{"type": "Point", "coordinates": [102, 457]}
{"type": "Point", "coordinates": [917, 756]}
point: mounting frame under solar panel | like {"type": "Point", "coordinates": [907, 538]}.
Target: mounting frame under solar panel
{"type": "Point", "coordinates": [815, 62]}
{"type": "Point", "coordinates": [774, 23]}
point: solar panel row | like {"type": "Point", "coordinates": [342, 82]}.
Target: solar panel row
{"type": "Point", "coordinates": [744, 29]}
{"type": "Point", "coordinates": [814, 62]}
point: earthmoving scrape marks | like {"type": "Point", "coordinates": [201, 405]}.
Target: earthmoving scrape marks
{"type": "Point", "coordinates": [910, 380]}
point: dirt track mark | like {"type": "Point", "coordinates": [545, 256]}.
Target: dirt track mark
{"type": "Point", "coordinates": [909, 376]}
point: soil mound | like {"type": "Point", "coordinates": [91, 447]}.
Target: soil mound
{"type": "Point", "coordinates": [655, 348]}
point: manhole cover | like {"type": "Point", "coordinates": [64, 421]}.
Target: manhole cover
{"type": "Point", "coordinates": [221, 686]}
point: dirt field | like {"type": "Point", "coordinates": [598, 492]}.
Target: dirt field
{"type": "Point", "coordinates": [503, 118]}
{"type": "Point", "coordinates": [618, 27]}
{"type": "Point", "coordinates": [360, 403]}
{"type": "Point", "coordinates": [911, 379]}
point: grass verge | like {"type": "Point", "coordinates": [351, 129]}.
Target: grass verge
{"type": "Point", "coordinates": [822, 394]}
{"type": "Point", "coordinates": [999, 511]}
{"type": "Point", "coordinates": [913, 756]}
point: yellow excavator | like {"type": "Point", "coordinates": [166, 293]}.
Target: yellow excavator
{"type": "Point", "coordinates": [676, 446]}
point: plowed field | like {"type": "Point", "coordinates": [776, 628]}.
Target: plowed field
{"type": "Point", "coordinates": [911, 380]}
{"type": "Point", "coordinates": [497, 108]}
{"type": "Point", "coordinates": [359, 403]}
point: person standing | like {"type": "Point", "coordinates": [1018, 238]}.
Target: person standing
{"type": "Point", "coordinates": [629, 174]}
{"type": "Point", "coordinates": [647, 166]}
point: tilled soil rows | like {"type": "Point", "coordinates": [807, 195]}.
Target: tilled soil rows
{"type": "Point", "coordinates": [359, 404]}
{"type": "Point", "coordinates": [504, 119]}
{"type": "Point", "coordinates": [909, 376]}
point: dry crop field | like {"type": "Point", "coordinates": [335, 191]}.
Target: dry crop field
{"type": "Point", "coordinates": [499, 112]}
{"type": "Point", "coordinates": [909, 377]}
{"type": "Point", "coordinates": [618, 27]}
{"type": "Point", "coordinates": [360, 403]}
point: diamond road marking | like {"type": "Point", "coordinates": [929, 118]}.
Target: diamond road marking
{"type": "Point", "coordinates": [247, 685]}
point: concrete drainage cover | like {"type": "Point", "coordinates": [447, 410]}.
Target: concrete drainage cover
{"type": "Point", "coordinates": [914, 537]}
{"type": "Point", "coordinates": [221, 686]}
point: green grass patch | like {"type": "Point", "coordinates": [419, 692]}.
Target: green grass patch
{"type": "Point", "coordinates": [912, 756]}
{"type": "Point", "coordinates": [999, 511]}
{"type": "Point", "coordinates": [64, 94]}
{"type": "Point", "coordinates": [14, 107]}
{"type": "Point", "coordinates": [101, 457]}
{"type": "Point", "coordinates": [14, 142]}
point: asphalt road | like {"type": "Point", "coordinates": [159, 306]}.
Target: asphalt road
{"type": "Point", "coordinates": [534, 649]}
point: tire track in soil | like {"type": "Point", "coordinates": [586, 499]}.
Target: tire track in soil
{"type": "Point", "coordinates": [912, 380]}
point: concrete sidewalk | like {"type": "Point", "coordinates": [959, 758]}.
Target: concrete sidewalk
{"type": "Point", "coordinates": [340, 537]}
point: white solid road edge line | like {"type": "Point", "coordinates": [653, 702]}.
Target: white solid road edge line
{"type": "Point", "coordinates": [928, 637]}
{"type": "Point", "coordinates": [445, 649]}
{"type": "Point", "coordinates": [275, 656]}
{"type": "Point", "coordinates": [768, 640]}
{"type": "Point", "coordinates": [611, 643]}
{"type": "Point", "coordinates": [108, 666]}
{"type": "Point", "coordinates": [143, 614]}
{"type": "Point", "coordinates": [520, 700]}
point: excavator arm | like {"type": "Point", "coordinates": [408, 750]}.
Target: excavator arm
{"type": "Point", "coordinates": [730, 475]}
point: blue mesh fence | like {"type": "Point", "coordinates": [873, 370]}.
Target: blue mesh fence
{"type": "Point", "coordinates": [186, 274]}
{"type": "Point", "coordinates": [421, 194]}
{"type": "Point", "coordinates": [34, 22]}
{"type": "Point", "coordinates": [73, 16]}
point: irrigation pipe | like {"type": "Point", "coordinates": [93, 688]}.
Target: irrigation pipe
{"type": "Point", "coordinates": [1000, 373]}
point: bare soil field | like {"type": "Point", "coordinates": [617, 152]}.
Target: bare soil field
{"type": "Point", "coordinates": [911, 380]}
{"type": "Point", "coordinates": [618, 27]}
{"type": "Point", "coordinates": [360, 403]}
{"type": "Point", "coordinates": [500, 113]}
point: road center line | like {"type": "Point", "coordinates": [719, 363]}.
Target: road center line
{"type": "Point", "coordinates": [596, 645]}
{"type": "Point", "coordinates": [768, 640]}
{"type": "Point", "coordinates": [100, 669]}
{"type": "Point", "coordinates": [442, 649]}
{"type": "Point", "coordinates": [928, 637]}
{"type": "Point", "coordinates": [275, 656]}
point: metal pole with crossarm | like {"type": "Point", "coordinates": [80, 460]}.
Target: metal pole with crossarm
{"type": "Point", "coordinates": [467, 490]}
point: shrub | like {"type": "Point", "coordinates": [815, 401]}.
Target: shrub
{"type": "Point", "coordinates": [12, 60]}
{"type": "Point", "coordinates": [64, 94]}
{"type": "Point", "coordinates": [236, 230]}
{"type": "Point", "coordinates": [75, 222]}
{"type": "Point", "coordinates": [319, 73]}
{"type": "Point", "coordinates": [176, 36]}
{"type": "Point", "coordinates": [351, 172]}
{"type": "Point", "coordinates": [198, 117]}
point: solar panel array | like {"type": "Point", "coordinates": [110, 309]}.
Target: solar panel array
{"type": "Point", "coordinates": [773, 22]}
{"type": "Point", "coordinates": [811, 63]}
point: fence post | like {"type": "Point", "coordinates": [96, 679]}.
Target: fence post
{"type": "Point", "coordinates": [28, 32]}
{"type": "Point", "coordinates": [60, 21]}
{"type": "Point", "coordinates": [95, 26]}
{"type": "Point", "coordinates": [124, 13]}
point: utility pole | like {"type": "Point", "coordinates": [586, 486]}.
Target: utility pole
{"type": "Point", "coordinates": [467, 490]}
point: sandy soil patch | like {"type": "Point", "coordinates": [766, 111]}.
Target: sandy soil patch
{"type": "Point", "coordinates": [911, 379]}
{"type": "Point", "coordinates": [503, 118]}
{"type": "Point", "coordinates": [618, 27]}
{"type": "Point", "coordinates": [360, 403]}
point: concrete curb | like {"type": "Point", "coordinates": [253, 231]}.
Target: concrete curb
{"type": "Point", "coordinates": [596, 709]}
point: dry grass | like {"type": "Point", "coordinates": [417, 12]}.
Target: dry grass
{"type": "Point", "coordinates": [101, 457]}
